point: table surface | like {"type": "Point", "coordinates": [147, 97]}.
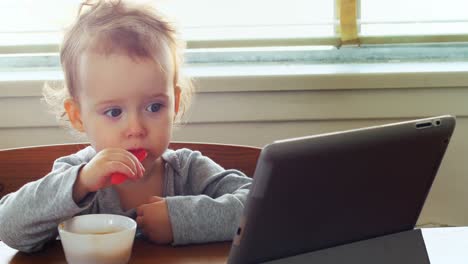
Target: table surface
{"type": "Point", "coordinates": [444, 245]}
{"type": "Point", "coordinates": [143, 252]}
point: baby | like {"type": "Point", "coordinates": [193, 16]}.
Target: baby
{"type": "Point", "coordinates": [124, 91]}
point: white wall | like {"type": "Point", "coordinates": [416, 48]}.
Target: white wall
{"type": "Point", "coordinates": [258, 105]}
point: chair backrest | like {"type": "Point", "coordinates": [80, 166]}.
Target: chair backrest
{"type": "Point", "coordinates": [19, 166]}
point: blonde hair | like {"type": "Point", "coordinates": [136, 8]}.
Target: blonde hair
{"type": "Point", "coordinates": [112, 27]}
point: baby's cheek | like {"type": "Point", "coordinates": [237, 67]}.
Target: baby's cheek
{"type": "Point", "coordinates": [105, 142]}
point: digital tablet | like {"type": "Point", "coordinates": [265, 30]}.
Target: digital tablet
{"type": "Point", "coordinates": [325, 190]}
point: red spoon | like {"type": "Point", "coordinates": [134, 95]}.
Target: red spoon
{"type": "Point", "coordinates": [117, 177]}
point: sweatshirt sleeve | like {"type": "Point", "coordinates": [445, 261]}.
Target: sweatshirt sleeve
{"type": "Point", "coordinates": [29, 217]}
{"type": "Point", "coordinates": [208, 200]}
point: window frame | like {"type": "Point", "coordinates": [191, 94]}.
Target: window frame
{"type": "Point", "coordinates": [347, 16]}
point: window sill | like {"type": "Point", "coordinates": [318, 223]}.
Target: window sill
{"type": "Point", "coordinates": [281, 77]}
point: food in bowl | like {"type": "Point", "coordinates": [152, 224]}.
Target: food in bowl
{"type": "Point", "coordinates": [98, 238]}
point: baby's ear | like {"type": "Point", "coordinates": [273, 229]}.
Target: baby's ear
{"type": "Point", "coordinates": [73, 112]}
{"type": "Point", "coordinates": [176, 99]}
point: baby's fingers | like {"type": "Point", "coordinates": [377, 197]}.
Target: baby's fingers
{"type": "Point", "coordinates": [140, 210]}
{"type": "Point", "coordinates": [122, 155]}
{"type": "Point", "coordinates": [140, 170]}
{"type": "Point", "coordinates": [130, 160]}
{"type": "Point", "coordinates": [154, 199]}
{"type": "Point", "coordinates": [141, 224]}
{"type": "Point", "coordinates": [120, 167]}
{"type": "Point", "coordinates": [140, 221]}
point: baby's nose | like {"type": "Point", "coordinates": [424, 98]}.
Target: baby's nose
{"type": "Point", "coordinates": [135, 128]}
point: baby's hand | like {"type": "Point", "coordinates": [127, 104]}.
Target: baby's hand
{"type": "Point", "coordinates": [117, 177]}
{"type": "Point", "coordinates": [153, 219]}
{"type": "Point", "coordinates": [97, 173]}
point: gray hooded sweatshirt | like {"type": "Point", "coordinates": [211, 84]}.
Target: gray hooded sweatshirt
{"type": "Point", "coordinates": [204, 200]}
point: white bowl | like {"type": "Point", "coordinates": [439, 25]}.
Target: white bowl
{"type": "Point", "coordinates": [97, 238]}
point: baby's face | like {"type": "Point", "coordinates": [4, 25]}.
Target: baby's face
{"type": "Point", "coordinates": [126, 103]}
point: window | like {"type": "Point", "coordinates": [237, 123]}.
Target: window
{"type": "Point", "coordinates": [30, 26]}
{"type": "Point", "coordinates": [415, 17]}
{"type": "Point", "coordinates": [31, 22]}
{"type": "Point", "coordinates": [253, 19]}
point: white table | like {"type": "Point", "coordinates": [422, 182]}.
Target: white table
{"type": "Point", "coordinates": [445, 245]}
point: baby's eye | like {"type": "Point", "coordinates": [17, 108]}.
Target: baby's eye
{"type": "Point", "coordinates": [113, 112]}
{"type": "Point", "coordinates": [154, 107]}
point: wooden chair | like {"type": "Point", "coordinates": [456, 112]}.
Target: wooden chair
{"type": "Point", "coordinates": [21, 165]}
